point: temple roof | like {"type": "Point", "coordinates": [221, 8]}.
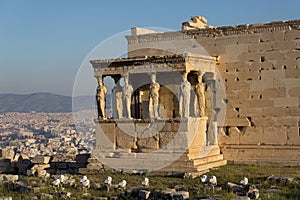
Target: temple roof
{"type": "Point", "coordinates": [182, 62]}
{"type": "Point", "coordinates": [135, 61]}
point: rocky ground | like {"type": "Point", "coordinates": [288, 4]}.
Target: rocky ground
{"type": "Point", "coordinates": [264, 183]}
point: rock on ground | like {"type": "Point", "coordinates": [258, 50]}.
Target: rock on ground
{"type": "Point", "coordinates": [144, 194]}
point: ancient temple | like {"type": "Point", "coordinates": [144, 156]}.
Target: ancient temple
{"type": "Point", "coordinates": [162, 115]}
{"type": "Point", "coordinates": [168, 100]}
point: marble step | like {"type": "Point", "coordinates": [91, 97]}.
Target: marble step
{"type": "Point", "coordinates": [198, 161]}
{"type": "Point", "coordinates": [211, 165]}
{"type": "Point", "coordinates": [200, 168]}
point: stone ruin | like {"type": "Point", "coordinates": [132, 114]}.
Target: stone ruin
{"type": "Point", "coordinates": [161, 115]}
{"type": "Point", "coordinates": [259, 66]}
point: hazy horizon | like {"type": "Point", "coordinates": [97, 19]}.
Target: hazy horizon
{"type": "Point", "coordinates": [44, 93]}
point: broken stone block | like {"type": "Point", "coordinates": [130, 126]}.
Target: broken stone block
{"type": "Point", "coordinates": [5, 166]}
{"type": "Point", "coordinates": [144, 194]}
{"type": "Point", "coordinates": [181, 195]}
{"type": "Point", "coordinates": [41, 166]}
{"type": "Point", "coordinates": [11, 178]}
{"type": "Point", "coordinates": [82, 158]}
{"type": "Point", "coordinates": [234, 187]}
{"type": "Point", "coordinates": [253, 192]}
{"type": "Point", "coordinates": [7, 153]}
{"type": "Point", "coordinates": [130, 193]}
{"type": "Point", "coordinates": [41, 159]}
{"type": "Point", "coordinates": [167, 194]}
{"type": "Point", "coordinates": [6, 198]}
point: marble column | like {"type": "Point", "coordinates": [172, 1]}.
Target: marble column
{"type": "Point", "coordinates": [101, 98]}
{"type": "Point", "coordinates": [117, 100]}
{"type": "Point", "coordinates": [127, 93]}
{"type": "Point", "coordinates": [154, 98]}
{"type": "Point", "coordinates": [200, 93]}
{"type": "Point", "coordinates": [184, 97]}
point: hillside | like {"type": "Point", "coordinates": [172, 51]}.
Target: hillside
{"type": "Point", "coordinates": [43, 102]}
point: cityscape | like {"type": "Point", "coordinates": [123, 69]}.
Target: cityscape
{"type": "Point", "coordinates": [28, 135]}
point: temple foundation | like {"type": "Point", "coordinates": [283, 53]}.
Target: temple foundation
{"type": "Point", "coordinates": [165, 147]}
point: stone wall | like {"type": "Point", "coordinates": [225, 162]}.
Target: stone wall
{"type": "Point", "coordinates": [260, 65]}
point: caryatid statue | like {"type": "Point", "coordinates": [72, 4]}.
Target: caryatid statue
{"type": "Point", "coordinates": [117, 101]}
{"type": "Point", "coordinates": [154, 98]}
{"type": "Point", "coordinates": [200, 92]}
{"type": "Point", "coordinates": [184, 97]}
{"type": "Point", "coordinates": [101, 94]}
{"type": "Point", "coordinates": [127, 92]}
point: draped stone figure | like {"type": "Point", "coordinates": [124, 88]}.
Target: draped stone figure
{"type": "Point", "coordinates": [117, 101]}
{"type": "Point", "coordinates": [200, 93]}
{"type": "Point", "coordinates": [127, 92]}
{"type": "Point", "coordinates": [101, 94]}
{"type": "Point", "coordinates": [154, 98]}
{"type": "Point", "coordinates": [184, 97]}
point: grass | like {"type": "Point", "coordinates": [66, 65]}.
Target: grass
{"type": "Point", "coordinates": [232, 173]}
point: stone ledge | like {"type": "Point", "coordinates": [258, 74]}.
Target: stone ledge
{"type": "Point", "coordinates": [213, 32]}
{"type": "Point", "coordinates": [262, 154]}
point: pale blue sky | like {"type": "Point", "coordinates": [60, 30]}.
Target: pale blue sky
{"type": "Point", "coordinates": [43, 43]}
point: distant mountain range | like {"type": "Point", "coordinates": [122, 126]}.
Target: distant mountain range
{"type": "Point", "coordinates": [45, 102]}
